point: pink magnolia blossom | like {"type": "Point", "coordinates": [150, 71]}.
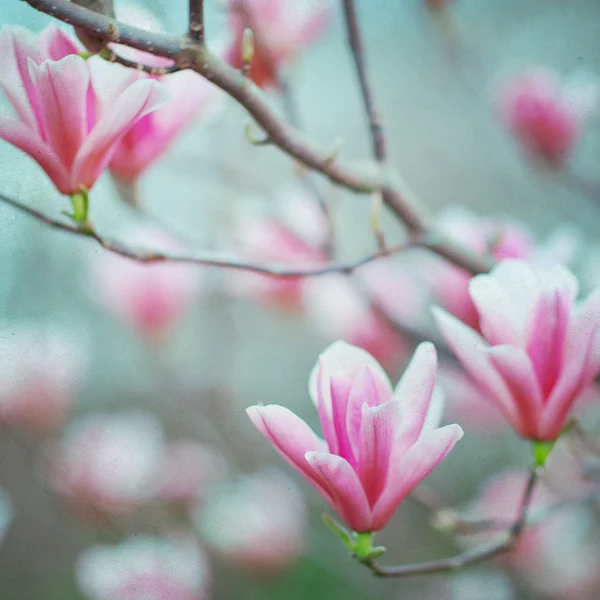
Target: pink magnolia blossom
{"type": "Point", "coordinates": [538, 349]}
{"type": "Point", "coordinates": [151, 297]}
{"type": "Point", "coordinates": [189, 471]}
{"type": "Point", "coordinates": [109, 463]}
{"type": "Point", "coordinates": [69, 113]}
{"type": "Point", "coordinates": [258, 523]}
{"type": "Point", "coordinates": [546, 114]}
{"type": "Point", "coordinates": [41, 369]}
{"type": "Point", "coordinates": [145, 568]}
{"type": "Point", "coordinates": [282, 28]}
{"type": "Point", "coordinates": [379, 443]}
{"type": "Point", "coordinates": [501, 238]}
{"type": "Point", "coordinates": [555, 554]}
{"type": "Point", "coordinates": [336, 309]}
{"type": "Point", "coordinates": [190, 95]}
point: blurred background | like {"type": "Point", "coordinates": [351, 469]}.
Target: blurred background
{"type": "Point", "coordinates": [122, 391]}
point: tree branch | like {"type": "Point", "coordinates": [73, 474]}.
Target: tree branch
{"type": "Point", "coordinates": [395, 192]}
{"type": "Point", "coordinates": [196, 27]}
{"type": "Point", "coordinates": [503, 544]}
{"type": "Point", "coordinates": [210, 259]}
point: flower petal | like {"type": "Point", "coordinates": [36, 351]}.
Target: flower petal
{"type": "Point", "coordinates": [345, 490]}
{"type": "Point", "coordinates": [411, 468]}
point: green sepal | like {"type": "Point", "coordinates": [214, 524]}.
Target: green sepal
{"type": "Point", "coordinates": [340, 532]}
{"type": "Point", "coordinates": [541, 451]}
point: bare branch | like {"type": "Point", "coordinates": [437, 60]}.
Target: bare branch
{"type": "Point", "coordinates": [504, 543]}
{"type": "Point", "coordinates": [209, 259]}
{"type": "Point", "coordinates": [196, 27]}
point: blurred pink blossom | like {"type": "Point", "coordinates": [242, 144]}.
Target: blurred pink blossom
{"type": "Point", "coordinates": [379, 444]}
{"type": "Point", "coordinates": [502, 238]}
{"type": "Point", "coordinates": [555, 555]}
{"type": "Point", "coordinates": [258, 523]}
{"type": "Point", "coordinates": [70, 113]}
{"type": "Point", "coordinates": [546, 114]}
{"type": "Point", "coordinates": [150, 297]}
{"type": "Point", "coordinates": [109, 463]}
{"type": "Point", "coordinates": [190, 95]}
{"type": "Point", "coordinates": [189, 471]}
{"type": "Point", "coordinates": [538, 350]}
{"type": "Point", "coordinates": [145, 568]}
{"type": "Point", "coordinates": [282, 29]}
{"type": "Point", "coordinates": [41, 369]}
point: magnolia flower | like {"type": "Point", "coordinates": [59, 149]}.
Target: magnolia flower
{"type": "Point", "coordinates": [109, 463]}
{"type": "Point", "coordinates": [258, 523]}
{"type": "Point", "coordinates": [379, 444]}
{"type": "Point", "coordinates": [41, 369]}
{"type": "Point", "coordinates": [70, 113]}
{"type": "Point", "coordinates": [546, 114]}
{"type": "Point", "coordinates": [144, 568]}
{"type": "Point", "coordinates": [282, 28]}
{"type": "Point", "coordinates": [150, 297]}
{"type": "Point", "coordinates": [189, 96]}
{"type": "Point", "coordinates": [502, 238]}
{"type": "Point", "coordinates": [555, 554]}
{"type": "Point", "coordinates": [538, 350]}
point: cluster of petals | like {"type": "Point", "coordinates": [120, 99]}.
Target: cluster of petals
{"type": "Point", "coordinates": [546, 114]}
{"type": "Point", "coordinates": [282, 28]}
{"type": "Point", "coordinates": [41, 370]}
{"type": "Point", "coordinates": [258, 522]}
{"type": "Point", "coordinates": [172, 568]}
{"type": "Point", "coordinates": [379, 443]}
{"type": "Point", "coordinates": [538, 348]}
{"type": "Point", "coordinates": [149, 297]}
{"type": "Point", "coordinates": [69, 113]}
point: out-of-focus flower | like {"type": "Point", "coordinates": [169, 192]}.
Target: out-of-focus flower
{"type": "Point", "coordinates": [6, 513]}
{"type": "Point", "coordinates": [150, 297]}
{"type": "Point", "coordinates": [555, 555]}
{"type": "Point", "coordinates": [538, 350]}
{"type": "Point", "coordinates": [189, 471]}
{"type": "Point", "coordinates": [70, 113]}
{"type": "Point", "coordinates": [282, 28]}
{"type": "Point", "coordinates": [546, 114]}
{"type": "Point", "coordinates": [437, 5]}
{"type": "Point", "coordinates": [379, 444]}
{"type": "Point", "coordinates": [338, 310]}
{"type": "Point", "coordinates": [258, 523]}
{"type": "Point", "coordinates": [501, 238]}
{"type": "Point", "coordinates": [40, 371]}
{"type": "Point", "coordinates": [190, 96]}
{"type": "Point", "coordinates": [109, 463]}
{"type": "Point", "coordinates": [296, 240]}
{"type": "Point", "coordinates": [145, 568]}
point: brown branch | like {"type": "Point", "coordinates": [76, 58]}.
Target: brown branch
{"type": "Point", "coordinates": [209, 259]}
{"type": "Point", "coordinates": [112, 56]}
{"type": "Point", "coordinates": [504, 543]}
{"type": "Point", "coordinates": [196, 27]}
{"type": "Point", "coordinates": [187, 54]}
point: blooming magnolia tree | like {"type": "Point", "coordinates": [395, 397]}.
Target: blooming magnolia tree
{"type": "Point", "coordinates": [517, 343]}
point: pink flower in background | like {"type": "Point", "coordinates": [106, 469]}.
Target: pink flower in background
{"type": "Point", "coordinates": [145, 568]}
{"type": "Point", "coordinates": [259, 522]}
{"type": "Point", "coordinates": [379, 443]}
{"type": "Point", "coordinates": [546, 114]}
{"type": "Point", "coordinates": [190, 95]}
{"type": "Point", "coordinates": [555, 556]}
{"type": "Point", "coordinates": [295, 241]}
{"type": "Point", "coordinates": [282, 29]}
{"type": "Point", "coordinates": [538, 350]}
{"type": "Point", "coordinates": [501, 238]}
{"type": "Point", "coordinates": [69, 113]}
{"type": "Point", "coordinates": [189, 471]}
{"type": "Point", "coordinates": [109, 463]}
{"type": "Point", "coordinates": [150, 297]}
{"type": "Point", "coordinates": [336, 309]}
{"type": "Point", "coordinates": [40, 373]}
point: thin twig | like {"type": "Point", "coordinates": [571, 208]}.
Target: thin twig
{"type": "Point", "coordinates": [196, 26]}
{"type": "Point", "coordinates": [186, 54]}
{"type": "Point", "coordinates": [504, 543]}
{"type": "Point", "coordinates": [138, 66]}
{"type": "Point", "coordinates": [210, 259]}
